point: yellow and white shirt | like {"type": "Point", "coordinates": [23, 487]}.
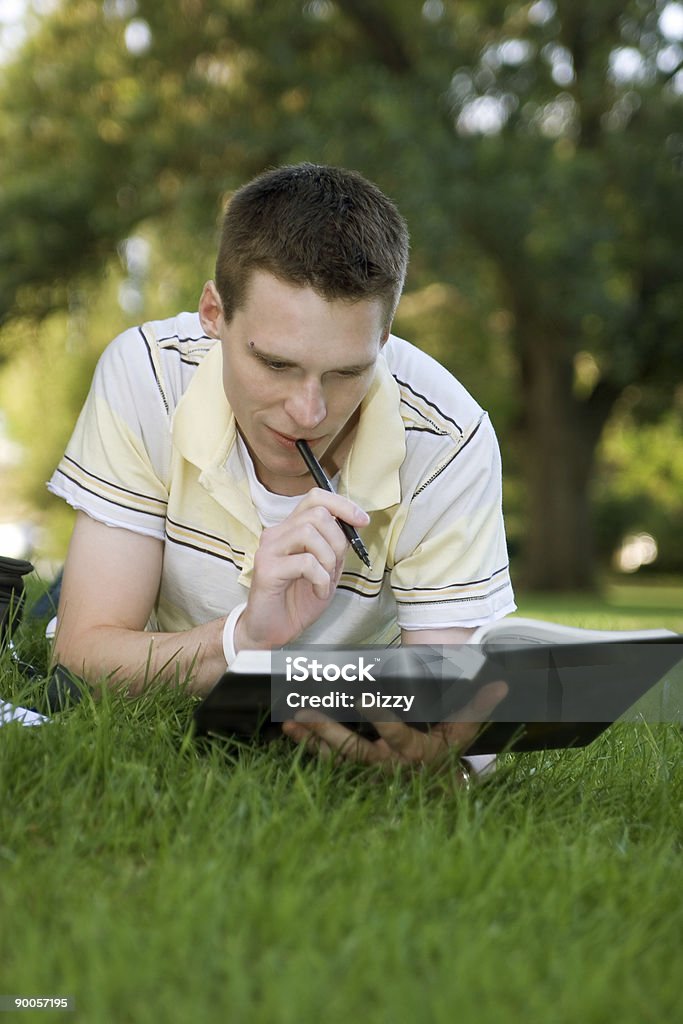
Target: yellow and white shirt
{"type": "Point", "coordinates": [154, 451]}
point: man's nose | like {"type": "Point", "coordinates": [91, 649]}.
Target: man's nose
{"type": "Point", "coordinates": [306, 405]}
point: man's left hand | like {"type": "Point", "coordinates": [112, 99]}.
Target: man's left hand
{"type": "Point", "coordinates": [399, 744]}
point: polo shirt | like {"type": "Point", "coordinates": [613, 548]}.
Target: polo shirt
{"type": "Point", "coordinates": [154, 451]}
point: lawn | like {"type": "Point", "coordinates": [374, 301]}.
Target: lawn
{"type": "Point", "coordinates": [153, 880]}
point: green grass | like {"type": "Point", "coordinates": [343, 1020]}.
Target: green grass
{"type": "Point", "coordinates": [626, 604]}
{"type": "Point", "coordinates": [153, 880]}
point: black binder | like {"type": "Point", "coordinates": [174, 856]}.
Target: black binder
{"type": "Point", "coordinates": [560, 695]}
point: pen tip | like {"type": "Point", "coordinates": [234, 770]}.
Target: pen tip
{"type": "Point", "coordinates": [362, 554]}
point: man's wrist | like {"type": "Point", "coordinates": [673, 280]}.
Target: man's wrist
{"type": "Point", "coordinates": [243, 640]}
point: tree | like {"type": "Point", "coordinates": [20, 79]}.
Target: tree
{"type": "Point", "coordinates": [535, 145]}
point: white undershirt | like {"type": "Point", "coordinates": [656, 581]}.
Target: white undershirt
{"type": "Point", "coordinates": [271, 508]}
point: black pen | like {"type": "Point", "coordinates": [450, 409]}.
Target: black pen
{"type": "Point", "coordinates": [320, 477]}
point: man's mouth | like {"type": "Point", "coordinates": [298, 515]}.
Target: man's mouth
{"type": "Point", "coordinates": [289, 442]}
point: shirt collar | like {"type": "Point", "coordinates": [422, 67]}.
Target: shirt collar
{"type": "Point", "coordinates": [370, 474]}
{"type": "Point", "coordinates": [204, 433]}
{"type": "Point", "coordinates": [203, 424]}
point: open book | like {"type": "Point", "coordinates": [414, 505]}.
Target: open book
{"type": "Point", "coordinates": [516, 630]}
{"type": "Point", "coordinates": [565, 684]}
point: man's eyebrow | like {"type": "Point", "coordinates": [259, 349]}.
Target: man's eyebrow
{"type": "Point", "coordinates": [275, 358]}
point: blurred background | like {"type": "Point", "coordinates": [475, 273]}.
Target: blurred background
{"type": "Point", "coordinates": [536, 150]}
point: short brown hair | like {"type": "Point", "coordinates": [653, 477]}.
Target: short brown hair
{"type": "Point", "coordinates": [315, 226]}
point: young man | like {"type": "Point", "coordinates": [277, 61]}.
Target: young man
{"type": "Point", "coordinates": [200, 532]}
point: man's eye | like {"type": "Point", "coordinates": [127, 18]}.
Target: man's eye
{"type": "Point", "coordinates": [273, 364]}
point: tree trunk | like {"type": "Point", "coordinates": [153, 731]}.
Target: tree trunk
{"type": "Point", "coordinates": [559, 439]}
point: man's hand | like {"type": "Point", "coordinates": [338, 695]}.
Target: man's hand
{"type": "Point", "coordinates": [399, 744]}
{"type": "Point", "coordinates": [112, 576]}
{"type": "Point", "coordinates": [296, 570]}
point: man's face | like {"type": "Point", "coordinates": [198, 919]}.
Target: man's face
{"type": "Point", "coordinates": [296, 365]}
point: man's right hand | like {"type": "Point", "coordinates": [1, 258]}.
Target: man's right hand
{"type": "Point", "coordinates": [296, 570]}
{"type": "Point", "coordinates": [111, 579]}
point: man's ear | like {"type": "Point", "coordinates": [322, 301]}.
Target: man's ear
{"type": "Point", "coordinates": [211, 310]}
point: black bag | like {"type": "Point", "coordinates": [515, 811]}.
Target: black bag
{"type": "Point", "coordinates": [62, 689]}
{"type": "Point", "coordinates": [12, 572]}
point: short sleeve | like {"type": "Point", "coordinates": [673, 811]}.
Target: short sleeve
{"type": "Point", "coordinates": [116, 464]}
{"type": "Point", "coordinates": [450, 561]}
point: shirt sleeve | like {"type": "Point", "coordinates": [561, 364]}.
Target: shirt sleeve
{"type": "Point", "coordinates": [450, 560]}
{"type": "Point", "coordinates": [116, 464]}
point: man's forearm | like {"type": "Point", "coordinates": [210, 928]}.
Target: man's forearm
{"type": "Point", "coordinates": [135, 660]}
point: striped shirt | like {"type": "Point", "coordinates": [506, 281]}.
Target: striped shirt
{"type": "Point", "coordinates": [154, 451]}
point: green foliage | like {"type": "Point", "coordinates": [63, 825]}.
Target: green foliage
{"type": "Point", "coordinates": [50, 362]}
{"type": "Point", "coordinates": [542, 184]}
{"type": "Point", "coordinates": [640, 487]}
{"type": "Point", "coordinates": [43, 386]}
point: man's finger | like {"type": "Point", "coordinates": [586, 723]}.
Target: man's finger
{"type": "Point", "coordinates": [336, 504]}
{"type": "Point", "coordinates": [461, 730]}
{"type": "Point", "coordinates": [302, 734]}
{"type": "Point", "coordinates": [341, 740]}
{"type": "Point", "coordinates": [410, 744]}
{"type": "Point", "coordinates": [482, 704]}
